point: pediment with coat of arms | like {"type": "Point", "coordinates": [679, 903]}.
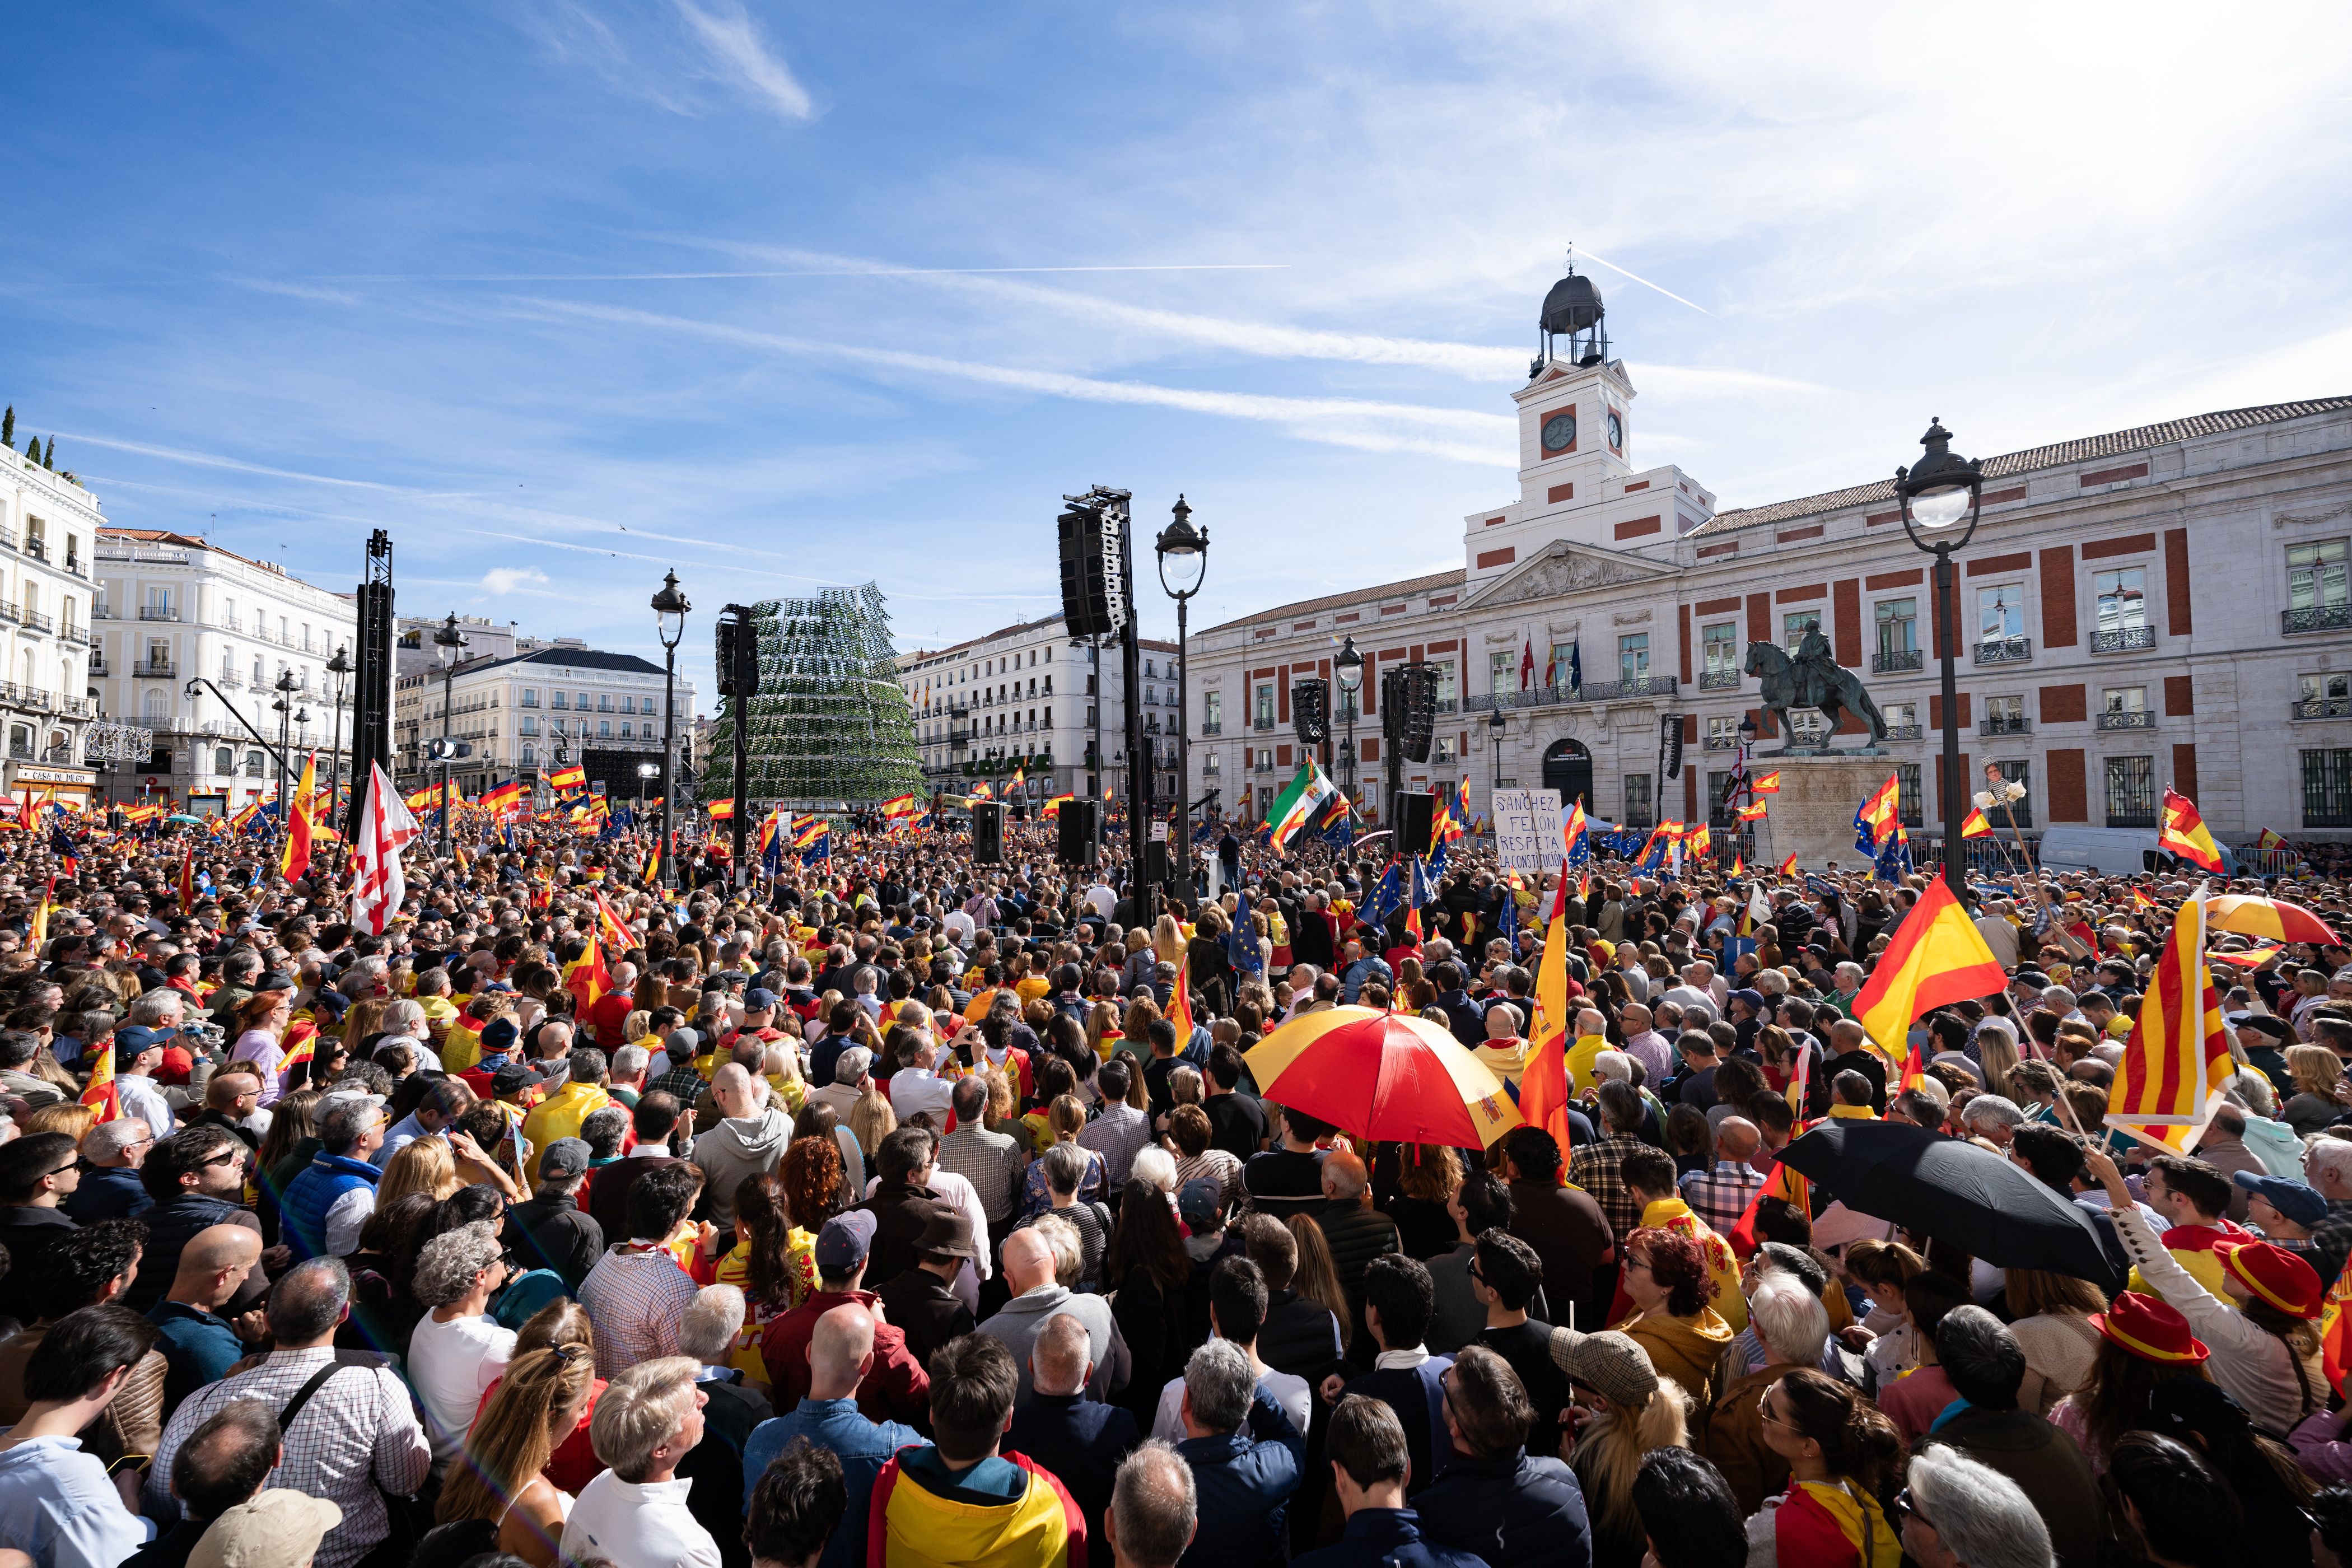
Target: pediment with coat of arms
{"type": "Point", "coordinates": [1563, 569]}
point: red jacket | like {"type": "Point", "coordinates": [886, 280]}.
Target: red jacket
{"type": "Point", "coordinates": [897, 1388]}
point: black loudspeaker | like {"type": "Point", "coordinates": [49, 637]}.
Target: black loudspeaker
{"type": "Point", "coordinates": [1155, 863]}
{"type": "Point", "coordinates": [1416, 819]}
{"type": "Point", "coordinates": [1408, 709]}
{"type": "Point", "coordinates": [1670, 745]}
{"type": "Point", "coordinates": [1094, 581]}
{"type": "Point", "coordinates": [1311, 711]}
{"type": "Point", "coordinates": [1080, 843]}
{"type": "Point", "coordinates": [988, 832]}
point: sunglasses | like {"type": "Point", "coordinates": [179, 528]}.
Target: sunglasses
{"type": "Point", "coordinates": [229, 1157]}
{"type": "Point", "coordinates": [1907, 1508]}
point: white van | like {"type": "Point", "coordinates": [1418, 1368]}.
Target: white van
{"type": "Point", "coordinates": [2118, 852]}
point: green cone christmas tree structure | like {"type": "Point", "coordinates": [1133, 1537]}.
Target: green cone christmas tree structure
{"type": "Point", "coordinates": [831, 727]}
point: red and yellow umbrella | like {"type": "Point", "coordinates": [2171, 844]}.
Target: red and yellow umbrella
{"type": "Point", "coordinates": [1383, 1077]}
{"type": "Point", "coordinates": [2272, 918]}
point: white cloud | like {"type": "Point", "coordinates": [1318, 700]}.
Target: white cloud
{"type": "Point", "coordinates": [506, 579]}
{"type": "Point", "coordinates": [732, 40]}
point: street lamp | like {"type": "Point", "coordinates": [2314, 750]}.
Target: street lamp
{"type": "Point", "coordinates": [284, 709]}
{"type": "Point", "coordinates": [1494, 732]}
{"type": "Point", "coordinates": [451, 642]}
{"type": "Point", "coordinates": [339, 667]}
{"type": "Point", "coordinates": [1942, 499]}
{"type": "Point", "coordinates": [669, 607]}
{"type": "Point", "coordinates": [1183, 561]}
{"type": "Point", "coordinates": [1351, 668]}
{"type": "Point", "coordinates": [646, 773]}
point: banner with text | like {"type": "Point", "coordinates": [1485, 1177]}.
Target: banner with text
{"type": "Point", "coordinates": [1527, 829]}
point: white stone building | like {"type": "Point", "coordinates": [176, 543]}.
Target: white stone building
{"type": "Point", "coordinates": [47, 525]}
{"type": "Point", "coordinates": [2163, 606]}
{"type": "Point", "coordinates": [175, 610]}
{"type": "Point", "coordinates": [982, 705]}
{"type": "Point", "coordinates": [526, 714]}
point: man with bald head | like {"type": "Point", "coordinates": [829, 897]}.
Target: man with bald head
{"type": "Point", "coordinates": [1031, 1269]}
{"type": "Point", "coordinates": [841, 1351]}
{"type": "Point", "coordinates": [749, 1141]}
{"type": "Point", "coordinates": [198, 1344]}
{"type": "Point", "coordinates": [1721, 1195]}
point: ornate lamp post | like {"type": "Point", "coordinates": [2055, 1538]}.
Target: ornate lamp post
{"type": "Point", "coordinates": [339, 667]}
{"type": "Point", "coordinates": [1942, 499]}
{"type": "Point", "coordinates": [1349, 667]}
{"type": "Point", "coordinates": [1494, 723]}
{"type": "Point", "coordinates": [284, 709]}
{"type": "Point", "coordinates": [1183, 561]}
{"type": "Point", "coordinates": [669, 607]}
{"type": "Point", "coordinates": [452, 644]}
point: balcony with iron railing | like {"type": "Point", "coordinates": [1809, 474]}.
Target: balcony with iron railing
{"type": "Point", "coordinates": [2317, 619]}
{"type": "Point", "coordinates": [40, 622]}
{"type": "Point", "coordinates": [77, 707]}
{"type": "Point", "coordinates": [2322, 708]}
{"type": "Point", "coordinates": [1906, 732]}
{"type": "Point", "coordinates": [156, 669]}
{"type": "Point", "coordinates": [1564, 696]}
{"type": "Point", "coordinates": [33, 696]}
{"type": "Point", "coordinates": [10, 612]}
{"type": "Point", "coordinates": [158, 612]}
{"type": "Point", "coordinates": [8, 538]}
{"type": "Point", "coordinates": [99, 668]}
{"type": "Point", "coordinates": [77, 636]}
{"type": "Point", "coordinates": [1724, 680]}
{"type": "Point", "coordinates": [228, 678]}
{"type": "Point", "coordinates": [2006, 724]}
{"type": "Point", "coordinates": [2004, 650]}
{"type": "Point", "coordinates": [37, 547]}
{"type": "Point", "coordinates": [2128, 719]}
{"type": "Point", "coordinates": [1212, 727]}
{"type": "Point", "coordinates": [78, 568]}
{"type": "Point", "coordinates": [1897, 661]}
{"type": "Point", "coordinates": [2123, 640]}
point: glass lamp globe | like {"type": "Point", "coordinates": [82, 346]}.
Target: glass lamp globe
{"type": "Point", "coordinates": [1940, 508]}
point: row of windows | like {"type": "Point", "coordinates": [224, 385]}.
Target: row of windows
{"type": "Point", "coordinates": [602, 701]}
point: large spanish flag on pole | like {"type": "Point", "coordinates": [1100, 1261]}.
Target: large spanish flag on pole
{"type": "Point", "coordinates": [1938, 957]}
{"type": "Point", "coordinates": [2179, 1055]}
{"type": "Point", "coordinates": [295, 859]}
{"type": "Point", "coordinates": [2184, 832]}
{"type": "Point", "coordinates": [1544, 1092]}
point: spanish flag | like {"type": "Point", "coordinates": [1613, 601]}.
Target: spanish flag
{"type": "Point", "coordinates": [1699, 843]}
{"type": "Point", "coordinates": [1053, 806]}
{"type": "Point", "coordinates": [1974, 825]}
{"type": "Point", "coordinates": [899, 805]}
{"type": "Point", "coordinates": [1788, 866]}
{"type": "Point", "coordinates": [652, 871]}
{"type": "Point", "coordinates": [2178, 1054]}
{"type": "Point", "coordinates": [1572, 831]}
{"type": "Point", "coordinates": [295, 859]}
{"type": "Point", "coordinates": [1544, 1091]}
{"type": "Point", "coordinates": [609, 927]}
{"type": "Point", "coordinates": [1180, 1002]}
{"type": "Point", "coordinates": [1754, 813]}
{"type": "Point", "coordinates": [1737, 865]}
{"type": "Point", "coordinates": [2140, 901]}
{"type": "Point", "coordinates": [41, 915]}
{"type": "Point", "coordinates": [507, 797]}
{"type": "Point", "coordinates": [1938, 957]}
{"type": "Point", "coordinates": [720, 810]}
{"type": "Point", "coordinates": [1882, 811]}
{"type": "Point", "coordinates": [188, 879]}
{"type": "Point", "coordinates": [101, 1096]}
{"type": "Point", "coordinates": [2184, 832]}
{"type": "Point", "coordinates": [572, 777]}
{"type": "Point", "coordinates": [1765, 784]}
{"type": "Point", "coordinates": [587, 978]}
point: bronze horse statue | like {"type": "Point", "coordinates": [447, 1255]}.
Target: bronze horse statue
{"type": "Point", "coordinates": [1812, 679]}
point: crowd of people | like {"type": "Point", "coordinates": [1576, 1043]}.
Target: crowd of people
{"type": "Point", "coordinates": [896, 1211]}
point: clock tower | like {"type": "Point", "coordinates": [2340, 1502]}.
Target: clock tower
{"type": "Point", "coordinates": [1575, 478]}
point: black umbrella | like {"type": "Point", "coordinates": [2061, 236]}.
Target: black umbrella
{"type": "Point", "coordinates": [1952, 1190]}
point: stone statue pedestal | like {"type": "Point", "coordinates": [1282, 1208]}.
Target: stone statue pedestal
{"type": "Point", "coordinates": [1813, 813]}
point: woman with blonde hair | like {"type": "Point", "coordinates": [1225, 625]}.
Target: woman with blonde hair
{"type": "Point", "coordinates": [1997, 1058]}
{"type": "Point", "coordinates": [1103, 1031]}
{"type": "Point", "coordinates": [2051, 1316]}
{"type": "Point", "coordinates": [1317, 1278]}
{"type": "Point", "coordinates": [871, 1120]}
{"type": "Point", "coordinates": [636, 1027]}
{"type": "Point", "coordinates": [2318, 1079]}
{"type": "Point", "coordinates": [422, 1165]}
{"type": "Point", "coordinates": [1168, 940]}
{"type": "Point", "coordinates": [500, 1474]}
{"type": "Point", "coordinates": [1628, 1410]}
{"type": "Point", "coordinates": [69, 1116]}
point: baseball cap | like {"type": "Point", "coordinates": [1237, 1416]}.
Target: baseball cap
{"type": "Point", "coordinates": [509, 1079]}
{"type": "Point", "coordinates": [279, 1529]}
{"type": "Point", "coordinates": [351, 1097]}
{"type": "Point", "coordinates": [2260, 1022]}
{"type": "Point", "coordinates": [1200, 1202]}
{"type": "Point", "coordinates": [564, 1159]}
{"type": "Point", "coordinates": [844, 1241]}
{"type": "Point", "coordinates": [759, 997]}
{"type": "Point", "coordinates": [498, 1035]}
{"type": "Point", "coordinates": [2295, 1200]}
{"type": "Point", "coordinates": [682, 1044]}
{"type": "Point", "coordinates": [134, 1040]}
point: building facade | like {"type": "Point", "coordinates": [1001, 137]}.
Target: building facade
{"type": "Point", "coordinates": [525, 715]}
{"type": "Point", "coordinates": [49, 525]}
{"type": "Point", "coordinates": [201, 645]}
{"type": "Point", "coordinates": [2165, 605]}
{"type": "Point", "coordinates": [984, 706]}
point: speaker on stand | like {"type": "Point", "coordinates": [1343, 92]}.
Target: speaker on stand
{"type": "Point", "coordinates": [1079, 838]}
{"type": "Point", "coordinates": [988, 832]}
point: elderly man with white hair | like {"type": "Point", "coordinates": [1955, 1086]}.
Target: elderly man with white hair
{"type": "Point", "coordinates": [1993, 1117]}
{"type": "Point", "coordinates": [1962, 1514]}
{"type": "Point", "coordinates": [1793, 1329]}
{"type": "Point", "coordinates": [851, 1078]}
{"type": "Point", "coordinates": [647, 1419]}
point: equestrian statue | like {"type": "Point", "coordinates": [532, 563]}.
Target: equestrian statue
{"type": "Point", "coordinates": [1812, 679]}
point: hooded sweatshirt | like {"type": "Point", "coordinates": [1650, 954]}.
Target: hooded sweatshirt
{"type": "Point", "coordinates": [738, 1147]}
{"type": "Point", "coordinates": [1005, 1512]}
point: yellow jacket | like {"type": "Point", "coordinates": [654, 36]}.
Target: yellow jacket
{"type": "Point", "coordinates": [560, 1113]}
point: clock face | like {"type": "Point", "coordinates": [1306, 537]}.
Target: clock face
{"type": "Point", "coordinates": [1559, 432]}
{"type": "Point", "coordinates": [1616, 432]}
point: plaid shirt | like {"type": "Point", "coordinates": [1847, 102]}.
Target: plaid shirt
{"type": "Point", "coordinates": [635, 1300]}
{"type": "Point", "coordinates": [356, 1440]}
{"type": "Point", "coordinates": [992, 1162]}
{"type": "Point", "coordinates": [1721, 1195]}
{"type": "Point", "coordinates": [1599, 1169]}
{"type": "Point", "coordinates": [1119, 1135]}
{"type": "Point", "coordinates": [682, 1083]}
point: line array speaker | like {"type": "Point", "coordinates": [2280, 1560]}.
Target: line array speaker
{"type": "Point", "coordinates": [1094, 579]}
{"type": "Point", "coordinates": [1310, 709]}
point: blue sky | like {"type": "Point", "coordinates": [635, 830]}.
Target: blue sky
{"type": "Point", "coordinates": [563, 294]}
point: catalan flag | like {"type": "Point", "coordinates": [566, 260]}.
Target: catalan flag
{"type": "Point", "coordinates": [2184, 832]}
{"type": "Point", "coordinates": [1765, 784]}
{"type": "Point", "coordinates": [1974, 825]}
{"type": "Point", "coordinates": [1938, 957]}
{"type": "Point", "coordinates": [2178, 1057]}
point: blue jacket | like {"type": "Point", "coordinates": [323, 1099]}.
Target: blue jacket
{"type": "Point", "coordinates": [1514, 1511]}
{"type": "Point", "coordinates": [199, 1347]}
{"type": "Point", "coordinates": [312, 1192]}
{"type": "Point", "coordinates": [1417, 1394]}
{"type": "Point", "coordinates": [1080, 1440]}
{"type": "Point", "coordinates": [111, 1192]}
{"type": "Point", "coordinates": [1382, 1537]}
{"type": "Point", "coordinates": [863, 1446]}
{"type": "Point", "coordinates": [1245, 1480]}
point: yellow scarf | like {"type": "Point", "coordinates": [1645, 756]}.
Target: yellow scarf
{"type": "Point", "coordinates": [1853, 1510]}
{"type": "Point", "coordinates": [1853, 1113]}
